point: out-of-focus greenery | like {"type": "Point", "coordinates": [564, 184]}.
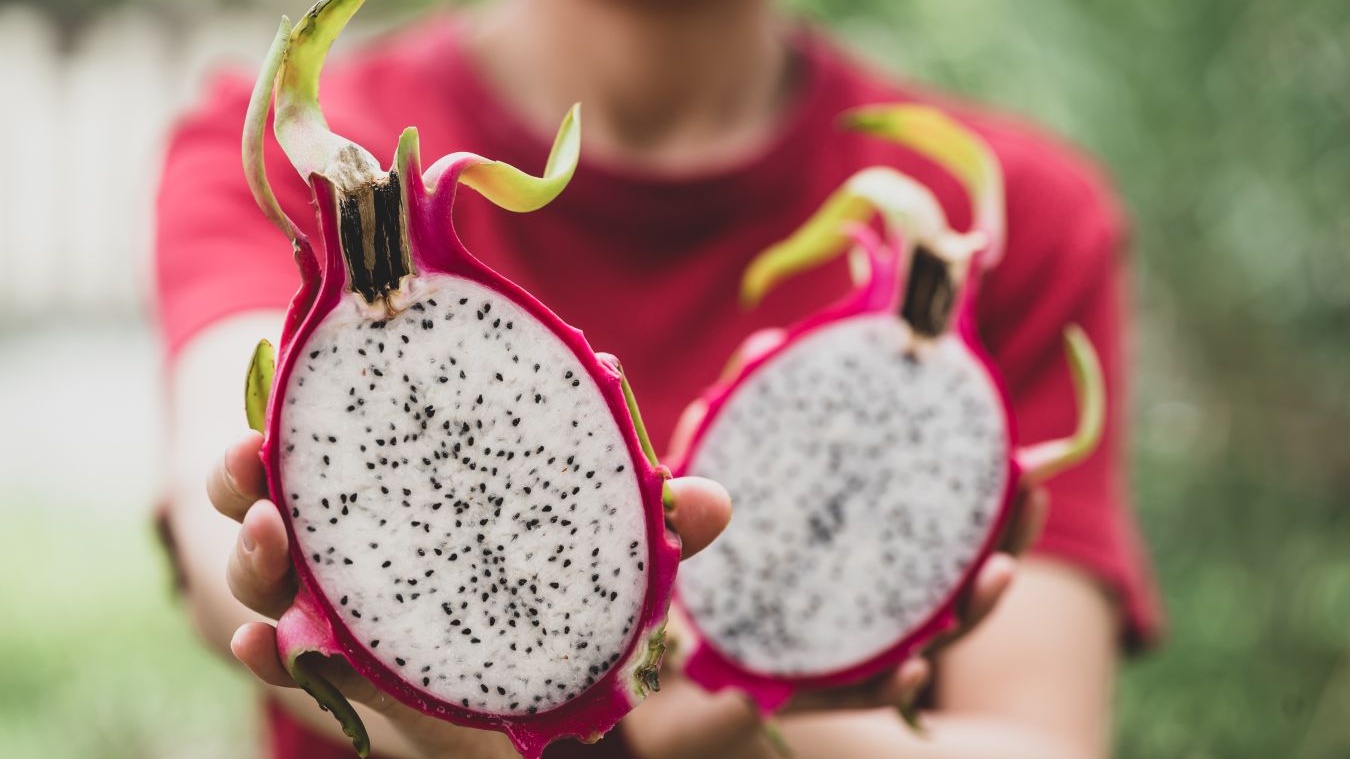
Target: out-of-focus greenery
{"type": "Point", "coordinates": [1226, 125]}
{"type": "Point", "coordinates": [1227, 128]}
{"type": "Point", "coordinates": [96, 661]}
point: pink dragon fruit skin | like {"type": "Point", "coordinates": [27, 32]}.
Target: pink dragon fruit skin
{"type": "Point", "coordinates": [926, 304]}
{"type": "Point", "coordinates": [388, 252]}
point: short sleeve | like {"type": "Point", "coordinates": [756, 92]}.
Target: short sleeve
{"type": "Point", "coordinates": [1065, 264]}
{"type": "Point", "coordinates": [215, 252]}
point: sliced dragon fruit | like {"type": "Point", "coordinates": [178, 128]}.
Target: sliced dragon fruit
{"type": "Point", "coordinates": [475, 513]}
{"type": "Point", "coordinates": [869, 451]}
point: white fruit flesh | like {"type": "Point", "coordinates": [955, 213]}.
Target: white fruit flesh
{"type": "Point", "coordinates": [865, 477]}
{"type": "Point", "coordinates": [465, 498]}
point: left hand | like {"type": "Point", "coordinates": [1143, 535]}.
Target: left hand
{"type": "Point", "coordinates": [261, 577]}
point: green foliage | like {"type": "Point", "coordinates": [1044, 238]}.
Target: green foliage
{"type": "Point", "coordinates": [99, 661]}
{"type": "Point", "coordinates": [1225, 126]}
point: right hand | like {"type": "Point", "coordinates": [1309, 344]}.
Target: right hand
{"type": "Point", "coordinates": [902, 687]}
{"type": "Point", "coordinates": [261, 577]}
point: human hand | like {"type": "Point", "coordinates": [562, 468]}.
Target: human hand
{"type": "Point", "coordinates": [260, 576]}
{"type": "Point", "coordinates": [901, 688]}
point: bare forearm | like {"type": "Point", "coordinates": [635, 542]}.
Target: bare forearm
{"type": "Point", "coordinates": [208, 415]}
{"type": "Point", "coordinates": [882, 735]}
{"type": "Point", "coordinates": [683, 721]}
{"type": "Point", "coordinates": [1014, 688]}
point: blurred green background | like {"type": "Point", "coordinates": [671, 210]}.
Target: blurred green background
{"type": "Point", "coordinates": [1226, 124]}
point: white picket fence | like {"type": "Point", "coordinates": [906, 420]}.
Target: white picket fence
{"type": "Point", "coordinates": [82, 131]}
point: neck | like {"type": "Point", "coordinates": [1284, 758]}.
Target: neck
{"type": "Point", "coordinates": [670, 87]}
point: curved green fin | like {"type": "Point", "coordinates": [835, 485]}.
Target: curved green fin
{"type": "Point", "coordinates": [667, 497]}
{"type": "Point", "coordinates": [909, 712]}
{"type": "Point", "coordinates": [300, 126]}
{"type": "Point", "coordinates": [815, 242]}
{"type": "Point", "coordinates": [255, 126]}
{"type": "Point", "coordinates": [330, 699]}
{"type": "Point", "coordinates": [408, 156]}
{"type": "Point", "coordinates": [310, 43]}
{"type": "Point", "coordinates": [1042, 461]}
{"type": "Point", "coordinates": [773, 735]}
{"type": "Point", "coordinates": [258, 385]}
{"type": "Point", "coordinates": [515, 190]}
{"type": "Point", "coordinates": [906, 206]}
{"type": "Point", "coordinates": [943, 140]}
{"type": "Point", "coordinates": [643, 438]}
{"type": "Point", "coordinates": [647, 674]}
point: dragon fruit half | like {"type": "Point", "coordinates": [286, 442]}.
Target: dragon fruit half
{"type": "Point", "coordinates": [475, 513]}
{"type": "Point", "coordinates": [869, 450]}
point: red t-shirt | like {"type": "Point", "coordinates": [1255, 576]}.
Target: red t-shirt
{"type": "Point", "coordinates": [649, 266]}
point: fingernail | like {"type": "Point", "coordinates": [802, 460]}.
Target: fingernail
{"type": "Point", "coordinates": [230, 482]}
{"type": "Point", "coordinates": [246, 540]}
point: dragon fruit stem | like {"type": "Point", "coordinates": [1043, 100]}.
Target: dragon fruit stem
{"type": "Point", "coordinates": [932, 291]}
{"type": "Point", "coordinates": [373, 235]}
{"type": "Point", "coordinates": [304, 635]}
{"type": "Point", "coordinates": [330, 699]}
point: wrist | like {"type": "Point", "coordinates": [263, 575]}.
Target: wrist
{"type": "Point", "coordinates": [728, 725]}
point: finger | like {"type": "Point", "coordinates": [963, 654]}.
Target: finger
{"type": "Point", "coordinates": [907, 683]}
{"type": "Point", "coordinates": [753, 348]}
{"type": "Point", "coordinates": [991, 583]}
{"type": "Point", "coordinates": [870, 694]}
{"type": "Point", "coordinates": [255, 646]}
{"type": "Point", "coordinates": [259, 568]}
{"type": "Point", "coordinates": [237, 481]}
{"type": "Point", "coordinates": [702, 510]}
{"type": "Point", "coordinates": [1028, 520]}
